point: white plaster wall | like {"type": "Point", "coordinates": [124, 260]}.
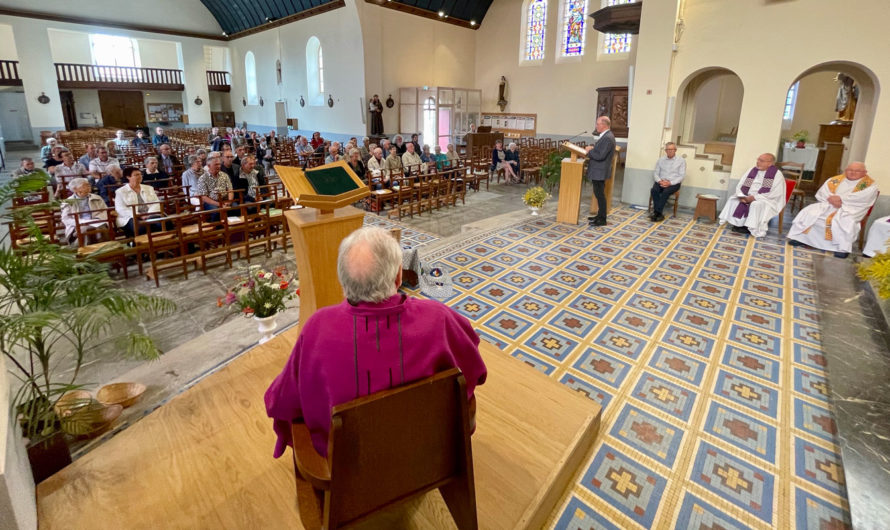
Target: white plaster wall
{"type": "Point", "coordinates": [719, 33]}
{"type": "Point", "coordinates": [563, 95]}
{"type": "Point", "coordinates": [816, 98]}
{"type": "Point", "coordinates": [18, 505]}
{"type": "Point", "coordinates": [717, 105]}
{"type": "Point", "coordinates": [158, 53]}
{"type": "Point", "coordinates": [403, 50]}
{"type": "Point", "coordinates": [7, 44]}
{"type": "Point", "coordinates": [341, 39]}
{"type": "Point", "coordinates": [70, 46]}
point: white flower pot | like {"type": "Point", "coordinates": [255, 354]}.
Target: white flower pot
{"type": "Point", "coordinates": [266, 326]}
{"type": "Point", "coordinates": [534, 209]}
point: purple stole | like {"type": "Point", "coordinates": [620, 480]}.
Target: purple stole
{"type": "Point", "coordinates": [741, 211]}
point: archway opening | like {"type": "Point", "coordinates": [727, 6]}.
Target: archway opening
{"type": "Point", "coordinates": [827, 120]}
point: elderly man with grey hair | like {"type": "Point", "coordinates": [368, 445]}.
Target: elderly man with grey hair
{"type": "Point", "coordinates": [374, 340]}
{"type": "Point", "coordinates": [669, 173]}
{"type": "Point", "coordinates": [87, 206]}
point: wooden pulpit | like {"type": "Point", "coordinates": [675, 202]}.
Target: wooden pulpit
{"type": "Point", "coordinates": [570, 179]}
{"type": "Point", "coordinates": [326, 193]}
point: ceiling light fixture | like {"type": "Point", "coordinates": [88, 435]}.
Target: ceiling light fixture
{"type": "Point", "coordinates": [441, 13]}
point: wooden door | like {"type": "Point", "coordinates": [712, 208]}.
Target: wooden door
{"type": "Point", "coordinates": [68, 110]}
{"type": "Point", "coordinates": [122, 108]}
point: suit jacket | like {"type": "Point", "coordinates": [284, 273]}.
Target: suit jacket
{"type": "Point", "coordinates": [599, 165]}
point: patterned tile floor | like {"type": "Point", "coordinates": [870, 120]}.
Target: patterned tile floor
{"type": "Point", "coordinates": [702, 346]}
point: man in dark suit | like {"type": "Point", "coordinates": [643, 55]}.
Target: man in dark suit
{"type": "Point", "coordinates": [599, 167]}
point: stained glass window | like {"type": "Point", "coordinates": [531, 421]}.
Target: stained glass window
{"type": "Point", "coordinates": [534, 39]}
{"type": "Point", "coordinates": [573, 27]}
{"type": "Point", "coordinates": [616, 42]}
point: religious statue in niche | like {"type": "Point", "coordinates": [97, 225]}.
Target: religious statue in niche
{"type": "Point", "coordinates": [375, 107]}
{"type": "Point", "coordinates": [502, 89]}
{"type": "Point", "coordinates": [847, 97]}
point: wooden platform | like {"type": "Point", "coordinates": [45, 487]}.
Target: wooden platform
{"type": "Point", "coordinates": [205, 459]}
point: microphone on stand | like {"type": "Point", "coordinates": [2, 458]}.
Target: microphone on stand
{"type": "Point", "coordinates": [573, 137]}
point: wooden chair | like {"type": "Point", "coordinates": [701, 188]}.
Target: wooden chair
{"type": "Point", "coordinates": [386, 448]}
{"type": "Point", "coordinates": [675, 196]}
{"type": "Point", "coordinates": [794, 171]}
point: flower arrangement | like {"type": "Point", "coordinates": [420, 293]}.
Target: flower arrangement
{"type": "Point", "coordinates": [801, 137]}
{"type": "Point", "coordinates": [535, 197]}
{"type": "Point", "coordinates": [261, 293]}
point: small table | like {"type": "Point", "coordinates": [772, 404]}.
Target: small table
{"type": "Point", "coordinates": [706, 207]}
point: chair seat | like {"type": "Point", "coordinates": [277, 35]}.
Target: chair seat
{"type": "Point", "coordinates": [189, 230]}
{"type": "Point", "coordinates": [143, 239]}
{"type": "Point", "coordinates": [96, 247]}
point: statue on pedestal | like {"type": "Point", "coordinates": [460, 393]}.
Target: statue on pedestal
{"type": "Point", "coordinates": [847, 96]}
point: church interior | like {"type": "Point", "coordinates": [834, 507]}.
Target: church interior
{"type": "Point", "coordinates": [642, 373]}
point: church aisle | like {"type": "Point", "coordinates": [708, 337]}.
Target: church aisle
{"type": "Point", "coordinates": [703, 347]}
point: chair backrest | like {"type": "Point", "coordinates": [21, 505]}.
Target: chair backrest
{"type": "Point", "coordinates": [397, 443]}
{"type": "Point", "coordinates": [789, 188]}
{"type": "Point", "coordinates": [792, 170]}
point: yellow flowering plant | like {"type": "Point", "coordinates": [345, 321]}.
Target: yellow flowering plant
{"type": "Point", "coordinates": [535, 197]}
{"type": "Point", "coordinates": [261, 293]}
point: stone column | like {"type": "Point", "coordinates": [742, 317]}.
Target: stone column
{"type": "Point", "coordinates": [649, 98]}
{"type": "Point", "coordinates": [38, 76]}
{"type": "Point", "coordinates": [191, 61]}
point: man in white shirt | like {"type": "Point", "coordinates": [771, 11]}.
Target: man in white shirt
{"type": "Point", "coordinates": [759, 197]}
{"type": "Point", "coordinates": [377, 167]}
{"type": "Point", "coordinates": [833, 222]}
{"type": "Point", "coordinates": [100, 165]}
{"type": "Point", "coordinates": [669, 173]}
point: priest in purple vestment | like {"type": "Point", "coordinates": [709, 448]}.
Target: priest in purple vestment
{"type": "Point", "coordinates": [374, 340]}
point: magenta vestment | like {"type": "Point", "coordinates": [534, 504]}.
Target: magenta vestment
{"type": "Point", "coordinates": [347, 351]}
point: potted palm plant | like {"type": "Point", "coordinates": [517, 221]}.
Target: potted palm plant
{"type": "Point", "coordinates": [54, 307]}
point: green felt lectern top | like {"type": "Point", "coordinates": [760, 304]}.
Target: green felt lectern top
{"type": "Point", "coordinates": [326, 187]}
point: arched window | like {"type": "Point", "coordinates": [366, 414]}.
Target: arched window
{"type": "Point", "coordinates": [315, 72]}
{"type": "Point", "coordinates": [250, 78]}
{"type": "Point", "coordinates": [536, 21]}
{"type": "Point", "coordinates": [616, 42]}
{"type": "Point", "coordinates": [573, 28]}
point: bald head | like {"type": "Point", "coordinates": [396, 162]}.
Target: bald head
{"type": "Point", "coordinates": [765, 160]}
{"type": "Point", "coordinates": [855, 171]}
{"type": "Point", "coordinates": [369, 265]}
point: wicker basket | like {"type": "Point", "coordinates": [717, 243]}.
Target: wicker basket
{"type": "Point", "coordinates": [123, 394]}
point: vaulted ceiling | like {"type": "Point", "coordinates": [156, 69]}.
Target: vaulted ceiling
{"type": "Point", "coordinates": [466, 10]}
{"type": "Point", "coordinates": [235, 16]}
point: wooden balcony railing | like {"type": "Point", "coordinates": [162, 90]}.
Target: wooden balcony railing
{"type": "Point", "coordinates": [97, 76]}
{"type": "Point", "coordinates": [9, 73]}
{"type": "Point", "coordinates": [218, 81]}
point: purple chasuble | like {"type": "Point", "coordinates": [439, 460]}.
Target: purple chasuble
{"type": "Point", "coordinates": [741, 211]}
{"type": "Point", "coordinates": [348, 351]}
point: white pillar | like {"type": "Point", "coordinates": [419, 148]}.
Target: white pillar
{"type": "Point", "coordinates": [38, 76]}
{"type": "Point", "coordinates": [18, 504]}
{"type": "Point", "coordinates": [652, 74]}
{"type": "Point", "coordinates": [191, 61]}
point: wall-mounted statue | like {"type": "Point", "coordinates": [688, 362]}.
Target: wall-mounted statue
{"type": "Point", "coordinates": [502, 88]}
{"type": "Point", "coordinates": [847, 97]}
{"type": "Point", "coordinates": [375, 107]}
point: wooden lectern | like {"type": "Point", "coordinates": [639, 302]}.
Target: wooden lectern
{"type": "Point", "coordinates": [570, 179]}
{"type": "Point", "coordinates": [326, 193]}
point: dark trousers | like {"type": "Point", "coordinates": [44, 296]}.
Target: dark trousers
{"type": "Point", "coordinates": [129, 231]}
{"type": "Point", "coordinates": [599, 191]}
{"type": "Point", "coordinates": [660, 196]}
